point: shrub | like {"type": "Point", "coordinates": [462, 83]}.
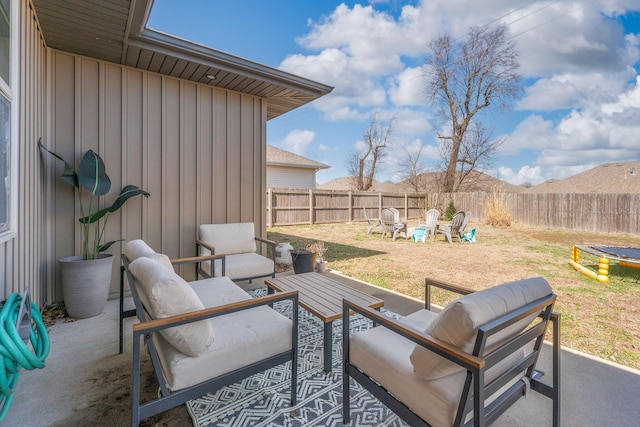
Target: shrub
{"type": "Point", "coordinates": [450, 212]}
{"type": "Point", "coordinates": [496, 210]}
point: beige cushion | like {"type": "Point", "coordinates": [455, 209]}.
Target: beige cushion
{"type": "Point", "coordinates": [217, 291]}
{"type": "Point", "coordinates": [135, 249]}
{"type": "Point", "coordinates": [458, 323]}
{"type": "Point", "coordinates": [384, 356]}
{"type": "Point", "coordinates": [242, 338]}
{"type": "Point", "coordinates": [165, 294]}
{"type": "Point", "coordinates": [229, 239]}
{"type": "Point", "coordinates": [240, 266]}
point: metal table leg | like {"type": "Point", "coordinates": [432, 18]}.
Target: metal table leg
{"type": "Point", "coordinates": [328, 346]}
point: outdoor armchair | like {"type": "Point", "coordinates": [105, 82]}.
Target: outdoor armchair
{"type": "Point", "coordinates": [430, 222]}
{"type": "Point", "coordinates": [452, 229]}
{"type": "Point", "coordinates": [463, 366]}
{"type": "Point", "coordinates": [390, 221]}
{"type": "Point", "coordinates": [239, 243]}
{"type": "Point", "coordinates": [371, 222]}
{"type": "Point", "coordinates": [203, 335]}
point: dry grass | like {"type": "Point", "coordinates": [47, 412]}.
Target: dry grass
{"type": "Point", "coordinates": [496, 210]}
{"type": "Point", "coordinates": [598, 319]}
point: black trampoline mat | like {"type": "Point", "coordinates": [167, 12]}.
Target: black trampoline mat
{"type": "Point", "coordinates": [619, 252]}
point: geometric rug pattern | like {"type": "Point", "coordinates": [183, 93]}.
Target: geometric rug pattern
{"type": "Point", "coordinates": [263, 399]}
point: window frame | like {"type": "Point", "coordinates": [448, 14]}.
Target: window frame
{"type": "Point", "coordinates": [10, 90]}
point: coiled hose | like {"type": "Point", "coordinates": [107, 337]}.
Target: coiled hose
{"type": "Point", "coordinates": [14, 351]}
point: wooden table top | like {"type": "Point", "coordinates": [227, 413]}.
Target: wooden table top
{"type": "Point", "coordinates": [322, 295]}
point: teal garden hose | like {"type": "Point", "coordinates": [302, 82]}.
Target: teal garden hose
{"type": "Point", "coordinates": [18, 327]}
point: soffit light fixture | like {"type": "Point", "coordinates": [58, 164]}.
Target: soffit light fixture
{"type": "Point", "coordinates": [210, 76]}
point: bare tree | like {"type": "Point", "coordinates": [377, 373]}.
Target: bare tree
{"type": "Point", "coordinates": [414, 169]}
{"type": "Point", "coordinates": [475, 154]}
{"type": "Point", "coordinates": [362, 162]}
{"type": "Point", "coordinates": [464, 77]}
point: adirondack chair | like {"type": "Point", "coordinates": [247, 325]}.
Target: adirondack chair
{"type": "Point", "coordinates": [372, 222]}
{"type": "Point", "coordinates": [430, 222]}
{"type": "Point", "coordinates": [452, 229]}
{"type": "Point", "coordinates": [390, 220]}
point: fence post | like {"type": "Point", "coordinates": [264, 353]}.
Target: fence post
{"type": "Point", "coordinates": [350, 207]}
{"type": "Point", "coordinates": [406, 207]}
{"type": "Point", "coordinates": [379, 205]}
{"type": "Point", "coordinates": [310, 207]}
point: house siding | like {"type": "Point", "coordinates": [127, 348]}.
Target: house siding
{"type": "Point", "coordinates": [291, 177]}
{"type": "Point", "coordinates": [21, 258]}
{"type": "Point", "coordinates": [199, 151]}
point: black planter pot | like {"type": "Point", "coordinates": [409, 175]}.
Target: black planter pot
{"type": "Point", "coordinates": [303, 261]}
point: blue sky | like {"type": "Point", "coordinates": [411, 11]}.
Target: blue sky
{"type": "Point", "coordinates": [580, 63]}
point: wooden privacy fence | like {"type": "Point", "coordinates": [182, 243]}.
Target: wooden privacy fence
{"type": "Point", "coordinates": [605, 213]}
{"type": "Point", "coordinates": [293, 206]}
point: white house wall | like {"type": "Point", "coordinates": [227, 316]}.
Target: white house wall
{"type": "Point", "coordinates": [290, 177]}
{"type": "Point", "coordinates": [21, 258]}
{"type": "Point", "coordinates": [199, 151]}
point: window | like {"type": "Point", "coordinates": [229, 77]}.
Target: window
{"type": "Point", "coordinates": [8, 117]}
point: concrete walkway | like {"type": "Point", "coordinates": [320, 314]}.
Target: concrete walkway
{"type": "Point", "coordinates": [85, 379]}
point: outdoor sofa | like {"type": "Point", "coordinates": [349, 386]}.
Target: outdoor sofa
{"type": "Point", "coordinates": [201, 335]}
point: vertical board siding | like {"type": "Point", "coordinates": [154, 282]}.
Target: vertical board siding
{"type": "Point", "coordinates": [22, 256]}
{"type": "Point", "coordinates": [198, 150]}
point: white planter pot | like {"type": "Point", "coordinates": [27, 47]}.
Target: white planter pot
{"type": "Point", "coordinates": [322, 266]}
{"type": "Point", "coordinates": [85, 284]}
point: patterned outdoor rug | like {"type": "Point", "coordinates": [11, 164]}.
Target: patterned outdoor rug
{"type": "Point", "coordinates": [263, 399]}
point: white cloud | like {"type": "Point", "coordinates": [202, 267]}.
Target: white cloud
{"type": "Point", "coordinates": [526, 175]}
{"type": "Point", "coordinates": [407, 88]}
{"type": "Point", "coordinates": [298, 141]}
{"type": "Point", "coordinates": [577, 61]}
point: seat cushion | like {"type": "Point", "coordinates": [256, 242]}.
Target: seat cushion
{"type": "Point", "coordinates": [384, 356]}
{"type": "Point", "coordinates": [218, 291]}
{"type": "Point", "coordinates": [229, 239]}
{"type": "Point", "coordinates": [458, 323]}
{"type": "Point", "coordinates": [165, 294]}
{"type": "Point", "coordinates": [242, 338]}
{"type": "Point", "coordinates": [241, 266]}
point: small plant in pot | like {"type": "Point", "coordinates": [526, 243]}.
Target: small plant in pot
{"type": "Point", "coordinates": [303, 259]}
{"type": "Point", "coordinates": [319, 248]}
{"type": "Point", "coordinates": [86, 278]}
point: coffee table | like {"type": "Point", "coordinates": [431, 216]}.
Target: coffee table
{"type": "Point", "coordinates": [322, 296]}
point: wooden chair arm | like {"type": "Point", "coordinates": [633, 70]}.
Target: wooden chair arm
{"type": "Point", "coordinates": [205, 245]}
{"type": "Point", "coordinates": [429, 282]}
{"type": "Point", "coordinates": [448, 351]}
{"type": "Point", "coordinates": [267, 241]}
{"type": "Point", "coordinates": [207, 313]}
{"type": "Point", "coordinates": [196, 259]}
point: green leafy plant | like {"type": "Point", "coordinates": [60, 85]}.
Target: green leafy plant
{"type": "Point", "coordinates": [91, 178]}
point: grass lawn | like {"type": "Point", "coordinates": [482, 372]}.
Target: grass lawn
{"type": "Point", "coordinates": [601, 319]}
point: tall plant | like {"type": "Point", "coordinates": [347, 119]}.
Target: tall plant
{"type": "Point", "coordinates": [91, 177]}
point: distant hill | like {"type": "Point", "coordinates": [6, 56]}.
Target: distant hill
{"type": "Point", "coordinates": [346, 184]}
{"type": "Point", "coordinates": [614, 178]}
{"type": "Point", "coordinates": [476, 181]}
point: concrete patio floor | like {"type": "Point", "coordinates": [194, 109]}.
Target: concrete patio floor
{"type": "Point", "coordinates": [73, 388]}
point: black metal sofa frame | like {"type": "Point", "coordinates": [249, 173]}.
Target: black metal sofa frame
{"type": "Point", "coordinates": [475, 390]}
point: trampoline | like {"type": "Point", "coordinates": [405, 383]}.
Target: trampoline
{"type": "Point", "coordinates": [625, 256]}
